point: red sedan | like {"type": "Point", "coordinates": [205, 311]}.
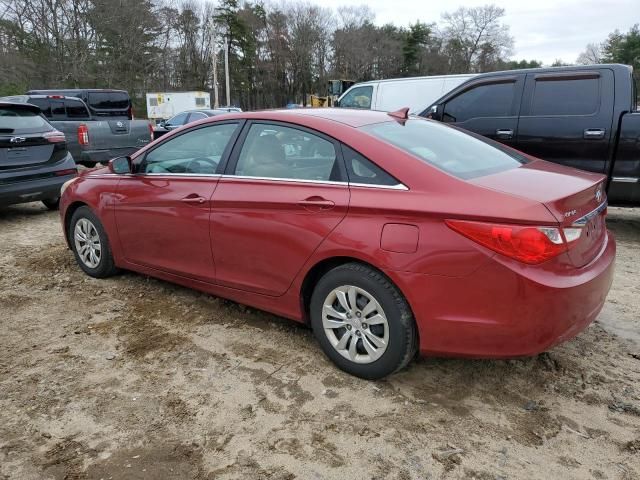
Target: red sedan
{"type": "Point", "coordinates": [387, 235]}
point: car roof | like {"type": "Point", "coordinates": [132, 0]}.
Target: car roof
{"type": "Point", "coordinates": [348, 116]}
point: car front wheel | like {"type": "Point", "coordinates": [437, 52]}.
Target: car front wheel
{"type": "Point", "coordinates": [90, 244]}
{"type": "Point", "coordinates": [362, 321]}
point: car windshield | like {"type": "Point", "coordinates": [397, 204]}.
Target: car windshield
{"type": "Point", "coordinates": [21, 120]}
{"type": "Point", "coordinates": [458, 153]}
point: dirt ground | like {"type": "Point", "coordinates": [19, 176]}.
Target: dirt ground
{"type": "Point", "coordinates": [135, 378]}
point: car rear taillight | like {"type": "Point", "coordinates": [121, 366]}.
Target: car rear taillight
{"type": "Point", "coordinates": [527, 244]}
{"type": "Point", "coordinates": [55, 137]}
{"type": "Point", "coordinates": [83, 135]}
{"type": "Point", "coordinates": [151, 131]}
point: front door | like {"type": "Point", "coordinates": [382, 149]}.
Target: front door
{"type": "Point", "coordinates": [162, 210]}
{"type": "Point", "coordinates": [283, 193]}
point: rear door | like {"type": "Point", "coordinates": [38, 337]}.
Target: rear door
{"type": "Point", "coordinates": [566, 118]}
{"type": "Point", "coordinates": [283, 192]}
{"type": "Point", "coordinates": [488, 107]}
{"type": "Point", "coordinates": [162, 210]}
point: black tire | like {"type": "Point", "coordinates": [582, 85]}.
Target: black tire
{"type": "Point", "coordinates": [52, 203]}
{"type": "Point", "coordinates": [106, 266]}
{"type": "Point", "coordinates": [402, 333]}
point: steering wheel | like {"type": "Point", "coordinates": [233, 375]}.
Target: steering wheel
{"type": "Point", "coordinates": [196, 162]}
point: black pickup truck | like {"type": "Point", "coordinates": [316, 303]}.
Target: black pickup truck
{"type": "Point", "coordinates": [582, 116]}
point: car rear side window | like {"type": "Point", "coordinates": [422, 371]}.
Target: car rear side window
{"type": "Point", "coordinates": [492, 100]}
{"type": "Point", "coordinates": [559, 96]}
{"type": "Point", "coordinates": [44, 105]}
{"type": "Point", "coordinates": [363, 171]}
{"type": "Point", "coordinates": [452, 150]}
{"type": "Point", "coordinates": [276, 151]}
{"type": "Point", "coordinates": [21, 120]}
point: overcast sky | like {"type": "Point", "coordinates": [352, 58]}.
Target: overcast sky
{"type": "Point", "coordinates": [543, 29]}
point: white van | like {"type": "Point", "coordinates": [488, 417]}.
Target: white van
{"type": "Point", "coordinates": [417, 93]}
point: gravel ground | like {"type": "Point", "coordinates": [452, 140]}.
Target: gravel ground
{"type": "Point", "coordinates": [136, 378]}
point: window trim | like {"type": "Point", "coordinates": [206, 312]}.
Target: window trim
{"type": "Point", "coordinates": [223, 158]}
{"type": "Point", "coordinates": [232, 164]}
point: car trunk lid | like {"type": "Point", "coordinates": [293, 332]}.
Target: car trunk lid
{"type": "Point", "coordinates": [575, 198]}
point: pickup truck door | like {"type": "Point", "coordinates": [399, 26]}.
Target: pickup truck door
{"type": "Point", "coordinates": [489, 107]}
{"type": "Point", "coordinates": [566, 117]}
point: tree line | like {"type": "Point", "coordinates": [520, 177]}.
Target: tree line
{"type": "Point", "coordinates": [278, 52]}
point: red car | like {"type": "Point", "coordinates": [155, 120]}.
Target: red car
{"type": "Point", "coordinates": [387, 235]}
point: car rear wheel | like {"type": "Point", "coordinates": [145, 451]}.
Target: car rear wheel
{"type": "Point", "coordinates": [52, 203]}
{"type": "Point", "coordinates": [362, 321]}
{"type": "Point", "coordinates": [90, 244]}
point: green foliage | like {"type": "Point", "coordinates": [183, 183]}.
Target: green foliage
{"type": "Point", "coordinates": [515, 65]}
{"type": "Point", "coordinates": [623, 47]}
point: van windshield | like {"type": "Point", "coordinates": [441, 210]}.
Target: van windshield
{"type": "Point", "coordinates": [458, 153]}
{"type": "Point", "coordinates": [108, 100]}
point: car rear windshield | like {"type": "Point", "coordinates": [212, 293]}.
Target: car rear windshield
{"type": "Point", "coordinates": [458, 153]}
{"type": "Point", "coordinates": [109, 100]}
{"type": "Point", "coordinates": [21, 120]}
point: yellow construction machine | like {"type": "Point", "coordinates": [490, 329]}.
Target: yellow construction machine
{"type": "Point", "coordinates": [335, 88]}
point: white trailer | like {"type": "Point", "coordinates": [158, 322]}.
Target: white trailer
{"type": "Point", "coordinates": [164, 105]}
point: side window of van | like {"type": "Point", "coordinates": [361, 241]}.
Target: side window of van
{"type": "Point", "coordinates": [358, 97]}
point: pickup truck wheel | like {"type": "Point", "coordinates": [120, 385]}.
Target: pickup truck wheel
{"type": "Point", "coordinates": [90, 244]}
{"type": "Point", "coordinates": [52, 203]}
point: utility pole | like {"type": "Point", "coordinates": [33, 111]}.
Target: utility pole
{"type": "Point", "coordinates": [226, 69]}
{"type": "Point", "coordinates": [216, 103]}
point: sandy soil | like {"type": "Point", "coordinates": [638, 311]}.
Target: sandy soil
{"type": "Point", "coordinates": [136, 378]}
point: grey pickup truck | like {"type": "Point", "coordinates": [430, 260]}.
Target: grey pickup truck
{"type": "Point", "coordinates": [91, 137]}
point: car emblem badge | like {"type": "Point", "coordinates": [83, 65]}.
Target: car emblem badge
{"type": "Point", "coordinates": [598, 195]}
{"type": "Point", "coordinates": [17, 140]}
{"type": "Point", "coordinates": [120, 124]}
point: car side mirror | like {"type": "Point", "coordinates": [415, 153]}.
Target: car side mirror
{"type": "Point", "coordinates": [435, 112]}
{"type": "Point", "coordinates": [120, 165]}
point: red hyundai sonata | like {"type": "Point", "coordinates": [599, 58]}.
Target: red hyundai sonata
{"type": "Point", "coordinates": [387, 235]}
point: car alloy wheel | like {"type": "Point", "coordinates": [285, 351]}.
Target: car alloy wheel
{"type": "Point", "coordinates": [355, 324]}
{"type": "Point", "coordinates": [87, 242]}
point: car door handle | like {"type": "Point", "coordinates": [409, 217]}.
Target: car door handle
{"type": "Point", "coordinates": [316, 203]}
{"type": "Point", "coordinates": [194, 199]}
{"type": "Point", "coordinates": [504, 133]}
{"type": "Point", "coordinates": [594, 133]}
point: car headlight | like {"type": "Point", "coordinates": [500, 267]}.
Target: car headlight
{"type": "Point", "coordinates": [66, 184]}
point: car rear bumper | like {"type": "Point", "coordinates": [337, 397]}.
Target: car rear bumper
{"type": "Point", "coordinates": [36, 184]}
{"type": "Point", "coordinates": [501, 312]}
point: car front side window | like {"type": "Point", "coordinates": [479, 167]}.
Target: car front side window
{"type": "Point", "coordinates": [276, 151]}
{"type": "Point", "coordinates": [195, 152]}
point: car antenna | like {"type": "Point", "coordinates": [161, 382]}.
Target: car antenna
{"type": "Point", "coordinates": [402, 114]}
